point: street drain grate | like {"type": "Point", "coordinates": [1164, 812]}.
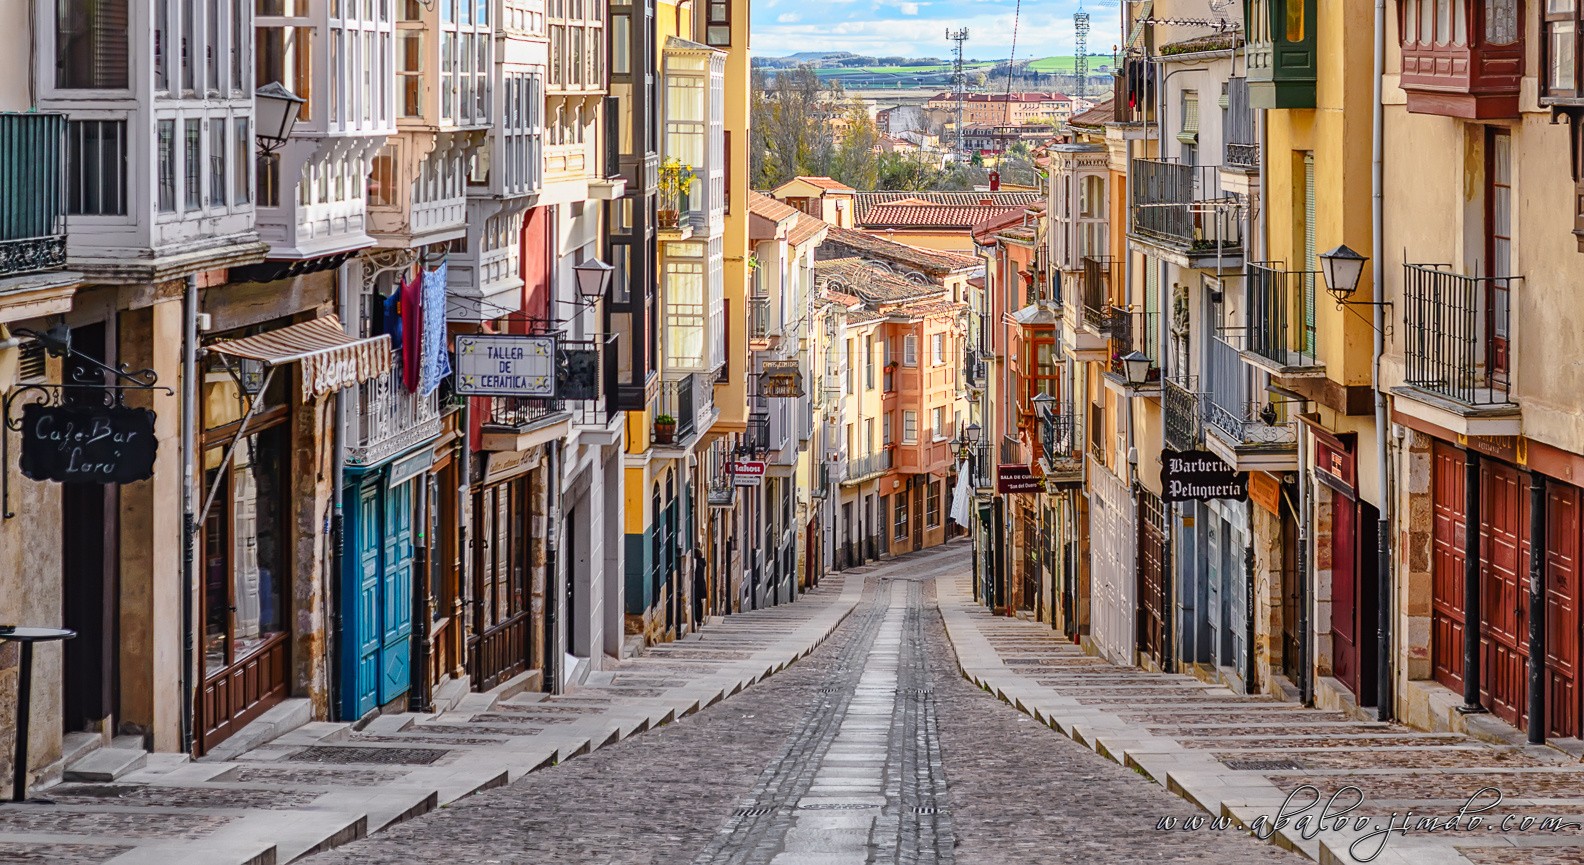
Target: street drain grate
{"type": "Point", "coordinates": [924, 809]}
{"type": "Point", "coordinates": [353, 754]}
{"type": "Point", "coordinates": [1262, 765]}
{"type": "Point", "coordinates": [837, 806]}
{"type": "Point", "coordinates": [753, 812]}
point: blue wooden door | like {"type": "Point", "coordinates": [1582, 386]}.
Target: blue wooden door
{"type": "Point", "coordinates": [362, 597]}
{"type": "Point", "coordinates": [396, 581]}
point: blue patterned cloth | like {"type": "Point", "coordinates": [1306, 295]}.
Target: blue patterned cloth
{"type": "Point", "coordinates": [434, 360]}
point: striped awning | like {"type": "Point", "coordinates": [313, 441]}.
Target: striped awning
{"type": "Point", "coordinates": [330, 359]}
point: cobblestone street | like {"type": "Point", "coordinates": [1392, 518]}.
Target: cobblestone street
{"type": "Point", "coordinates": [872, 749]}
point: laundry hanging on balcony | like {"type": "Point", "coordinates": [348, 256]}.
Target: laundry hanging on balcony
{"type": "Point", "coordinates": [412, 329]}
{"type": "Point", "coordinates": [330, 359]}
{"type": "Point", "coordinates": [434, 362]}
{"type": "Point", "coordinates": [960, 510]}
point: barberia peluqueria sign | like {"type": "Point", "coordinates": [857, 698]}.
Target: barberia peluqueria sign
{"type": "Point", "coordinates": [87, 444]}
{"type": "Point", "coordinates": [1188, 476]}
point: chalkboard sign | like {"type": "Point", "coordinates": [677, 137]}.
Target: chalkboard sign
{"type": "Point", "coordinates": [1188, 476]}
{"type": "Point", "coordinates": [87, 444]}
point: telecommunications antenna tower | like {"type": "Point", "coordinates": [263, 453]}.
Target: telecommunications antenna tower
{"type": "Point", "coordinates": [959, 79]}
{"type": "Point", "coordinates": [1081, 48]}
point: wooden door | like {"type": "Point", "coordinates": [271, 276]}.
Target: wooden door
{"type": "Point", "coordinates": [1504, 595]}
{"type": "Point", "coordinates": [1562, 610]}
{"type": "Point", "coordinates": [1215, 589]}
{"type": "Point", "coordinates": [1498, 248]}
{"type": "Point", "coordinates": [1447, 533]}
{"type": "Point", "coordinates": [396, 598]}
{"type": "Point", "coordinates": [1344, 593]}
{"type": "Point", "coordinates": [1151, 544]}
{"type": "Point", "coordinates": [362, 628]}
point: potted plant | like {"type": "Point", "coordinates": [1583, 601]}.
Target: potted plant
{"type": "Point", "coordinates": [665, 429]}
{"type": "Point", "coordinates": [676, 181]}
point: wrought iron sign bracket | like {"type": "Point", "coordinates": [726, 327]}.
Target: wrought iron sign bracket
{"type": "Point", "coordinates": [57, 342]}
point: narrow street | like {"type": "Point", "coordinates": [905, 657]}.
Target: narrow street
{"type": "Point", "coordinates": [872, 749]}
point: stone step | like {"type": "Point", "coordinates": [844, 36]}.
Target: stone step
{"type": "Point", "coordinates": [106, 764]}
{"type": "Point", "coordinates": [75, 746]}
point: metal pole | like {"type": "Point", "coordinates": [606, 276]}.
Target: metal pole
{"type": "Point", "coordinates": [1537, 599]}
{"type": "Point", "coordinates": [1471, 585]}
{"type": "Point", "coordinates": [552, 570]}
{"type": "Point", "coordinates": [1383, 702]}
{"type": "Point", "coordinates": [1305, 677]}
{"type": "Point", "coordinates": [19, 767]}
{"type": "Point", "coordinates": [189, 453]}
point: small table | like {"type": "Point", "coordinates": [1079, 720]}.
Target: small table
{"type": "Point", "coordinates": [26, 637]}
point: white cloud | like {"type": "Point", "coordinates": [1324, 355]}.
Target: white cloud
{"type": "Point", "coordinates": [789, 18]}
{"type": "Point", "coordinates": [908, 8]}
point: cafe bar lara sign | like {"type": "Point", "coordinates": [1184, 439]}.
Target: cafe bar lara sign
{"type": "Point", "coordinates": [87, 444]}
{"type": "Point", "coordinates": [1198, 476]}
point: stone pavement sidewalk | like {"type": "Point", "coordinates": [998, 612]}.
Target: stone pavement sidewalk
{"type": "Point", "coordinates": [326, 783]}
{"type": "Point", "coordinates": [1241, 757]}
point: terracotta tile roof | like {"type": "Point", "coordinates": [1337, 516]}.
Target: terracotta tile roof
{"type": "Point", "coordinates": [985, 228]}
{"type": "Point", "coordinates": [1103, 112]}
{"type": "Point", "coordinates": [908, 215]}
{"type": "Point", "coordinates": [862, 315]}
{"type": "Point", "coordinates": [865, 200]}
{"type": "Point", "coordinates": [847, 241]}
{"type": "Point", "coordinates": [825, 183]}
{"type": "Point", "coordinates": [769, 207]}
{"type": "Point", "coordinates": [1003, 97]}
{"type": "Point", "coordinates": [868, 282]}
{"type": "Point", "coordinates": [931, 307]}
{"type": "Point", "coordinates": [805, 229]}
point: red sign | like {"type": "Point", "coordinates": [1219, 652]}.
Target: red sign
{"type": "Point", "coordinates": [748, 473]}
{"type": "Point", "coordinates": [1017, 479]}
{"type": "Point", "coordinates": [1336, 467]}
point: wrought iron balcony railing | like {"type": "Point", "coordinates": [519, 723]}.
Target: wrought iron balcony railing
{"type": "Point", "coordinates": [32, 193]}
{"type": "Point", "coordinates": [868, 466]}
{"type": "Point", "coordinates": [1252, 424]}
{"type": "Point", "coordinates": [1180, 406]}
{"type": "Point", "coordinates": [1229, 407]}
{"type": "Point", "coordinates": [1013, 452]}
{"type": "Point", "coordinates": [1241, 149]}
{"type": "Point", "coordinates": [389, 419]}
{"type": "Point", "coordinates": [1099, 276]}
{"type": "Point", "coordinates": [1183, 206]}
{"type": "Point", "coordinates": [522, 412]}
{"type": "Point", "coordinates": [1281, 310]}
{"type": "Point", "coordinates": [1059, 446]}
{"type": "Point", "coordinates": [1456, 339]}
{"type": "Point", "coordinates": [758, 318]}
{"type": "Point", "coordinates": [686, 399]}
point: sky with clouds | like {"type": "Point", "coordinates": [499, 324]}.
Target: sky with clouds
{"type": "Point", "coordinates": [917, 28]}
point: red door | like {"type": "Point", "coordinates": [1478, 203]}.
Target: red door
{"type": "Point", "coordinates": [1344, 594]}
{"type": "Point", "coordinates": [1504, 599]}
{"type": "Point", "coordinates": [1446, 565]}
{"type": "Point", "coordinates": [1562, 606]}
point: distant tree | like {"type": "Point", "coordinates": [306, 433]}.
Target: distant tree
{"type": "Point", "coordinates": [788, 135]}
{"type": "Point", "coordinates": [857, 161]}
{"type": "Point", "coordinates": [1017, 166]}
{"type": "Point", "coordinates": [903, 172]}
{"type": "Point", "coordinates": [962, 177]}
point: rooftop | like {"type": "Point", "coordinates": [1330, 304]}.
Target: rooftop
{"type": "Point", "coordinates": [869, 282]}
{"type": "Point", "coordinates": [932, 261]}
{"type": "Point", "coordinates": [863, 201]}
{"type": "Point", "coordinates": [928, 215]}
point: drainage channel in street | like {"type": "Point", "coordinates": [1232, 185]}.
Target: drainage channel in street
{"type": "Point", "coordinates": [860, 779]}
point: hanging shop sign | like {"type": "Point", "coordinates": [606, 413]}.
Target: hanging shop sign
{"type": "Point", "coordinates": [87, 444]}
{"type": "Point", "coordinates": [502, 364]}
{"type": "Point", "coordinates": [1017, 479]}
{"type": "Point", "coordinates": [1199, 476]}
{"type": "Point", "coordinates": [1265, 491]}
{"type": "Point", "coordinates": [781, 379]}
{"type": "Point", "coordinates": [748, 473]}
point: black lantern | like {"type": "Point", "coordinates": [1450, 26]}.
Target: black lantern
{"type": "Point", "coordinates": [1342, 268]}
{"type": "Point", "coordinates": [593, 278]}
{"type": "Point", "coordinates": [973, 432]}
{"type": "Point", "coordinates": [1136, 364]}
{"type": "Point", "coordinates": [275, 111]}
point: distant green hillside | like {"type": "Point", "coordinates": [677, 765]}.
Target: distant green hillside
{"type": "Point", "coordinates": [1048, 65]}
